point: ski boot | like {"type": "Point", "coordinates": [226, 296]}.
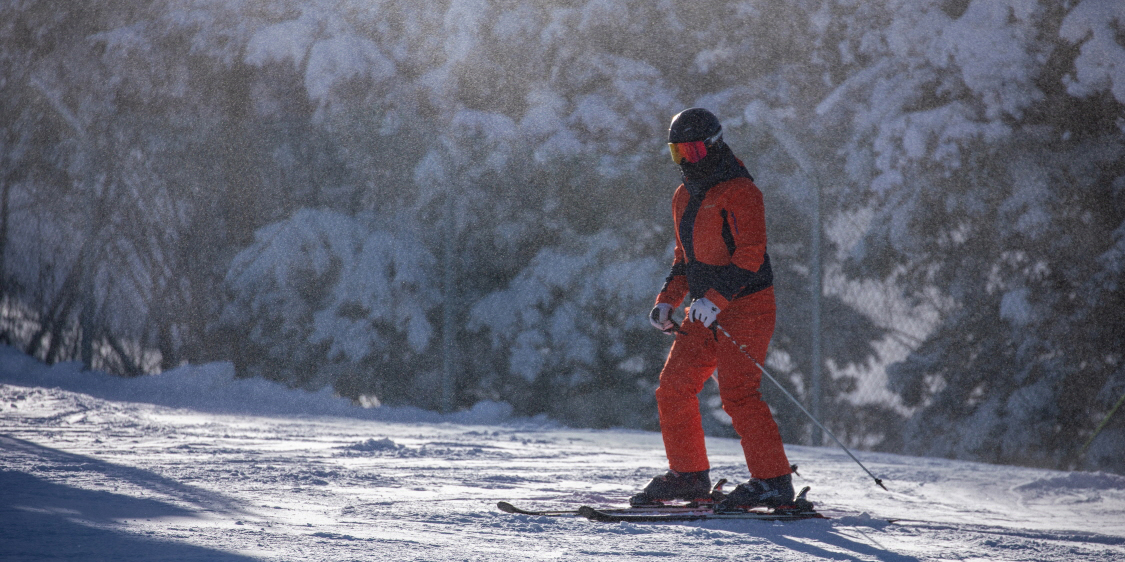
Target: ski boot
{"type": "Point", "coordinates": [690, 486]}
{"type": "Point", "coordinates": [771, 493]}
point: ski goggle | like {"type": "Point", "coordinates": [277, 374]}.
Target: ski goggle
{"type": "Point", "coordinates": [692, 152]}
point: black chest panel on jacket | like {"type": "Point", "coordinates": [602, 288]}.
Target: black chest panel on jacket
{"type": "Point", "coordinates": [729, 280]}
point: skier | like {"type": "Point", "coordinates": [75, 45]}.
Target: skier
{"type": "Point", "coordinates": [722, 265]}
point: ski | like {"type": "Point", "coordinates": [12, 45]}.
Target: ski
{"type": "Point", "coordinates": [801, 508]}
{"type": "Point", "coordinates": [704, 514]}
{"type": "Point", "coordinates": [654, 509]}
{"type": "Point", "coordinates": [509, 508]}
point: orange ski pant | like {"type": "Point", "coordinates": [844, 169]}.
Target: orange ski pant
{"type": "Point", "coordinates": [695, 355]}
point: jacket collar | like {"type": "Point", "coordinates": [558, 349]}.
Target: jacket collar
{"type": "Point", "coordinates": [717, 167]}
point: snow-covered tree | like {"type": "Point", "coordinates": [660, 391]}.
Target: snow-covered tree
{"type": "Point", "coordinates": [990, 134]}
{"type": "Point", "coordinates": [324, 299]}
{"type": "Point", "coordinates": [572, 330]}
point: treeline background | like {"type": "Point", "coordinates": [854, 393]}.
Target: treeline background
{"type": "Point", "coordinates": [374, 195]}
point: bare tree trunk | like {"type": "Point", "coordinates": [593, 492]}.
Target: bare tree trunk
{"type": "Point", "coordinates": [5, 197]}
{"type": "Point", "coordinates": [58, 324]}
{"type": "Point", "coordinates": [129, 366]}
{"type": "Point", "coordinates": [166, 345]}
{"type": "Point", "coordinates": [58, 310]}
{"type": "Point", "coordinates": [86, 327]}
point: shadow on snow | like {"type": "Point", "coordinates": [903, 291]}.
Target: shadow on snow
{"type": "Point", "coordinates": [40, 519]}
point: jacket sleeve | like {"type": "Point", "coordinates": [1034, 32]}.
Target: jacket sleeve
{"type": "Point", "coordinates": [746, 228]}
{"type": "Point", "coordinates": [675, 287]}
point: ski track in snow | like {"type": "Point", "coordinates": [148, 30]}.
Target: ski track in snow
{"type": "Point", "coordinates": [87, 478]}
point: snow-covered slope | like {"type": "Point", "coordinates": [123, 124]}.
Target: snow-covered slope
{"type": "Point", "coordinates": [173, 468]}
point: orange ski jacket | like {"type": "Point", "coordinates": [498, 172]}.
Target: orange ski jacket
{"type": "Point", "coordinates": [720, 244]}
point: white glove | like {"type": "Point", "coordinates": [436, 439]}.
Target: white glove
{"type": "Point", "coordinates": [661, 317]}
{"type": "Point", "coordinates": [704, 311]}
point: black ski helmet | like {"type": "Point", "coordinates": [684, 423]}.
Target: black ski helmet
{"type": "Point", "coordinates": [695, 124]}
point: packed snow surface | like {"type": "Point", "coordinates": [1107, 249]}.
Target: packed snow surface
{"type": "Point", "coordinates": [195, 465]}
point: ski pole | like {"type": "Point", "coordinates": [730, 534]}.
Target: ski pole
{"type": "Point", "coordinates": [1101, 426]}
{"type": "Point", "coordinates": [742, 348]}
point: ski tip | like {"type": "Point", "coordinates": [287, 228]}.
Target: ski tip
{"type": "Point", "coordinates": [591, 513]}
{"type": "Point", "coordinates": [506, 507]}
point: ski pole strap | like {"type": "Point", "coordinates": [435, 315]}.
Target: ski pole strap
{"type": "Point", "coordinates": [742, 348]}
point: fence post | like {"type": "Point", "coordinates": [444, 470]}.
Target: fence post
{"type": "Point", "coordinates": [816, 392]}
{"type": "Point", "coordinates": [797, 151]}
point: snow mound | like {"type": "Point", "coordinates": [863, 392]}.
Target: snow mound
{"type": "Point", "coordinates": [214, 388]}
{"type": "Point", "coordinates": [1074, 481]}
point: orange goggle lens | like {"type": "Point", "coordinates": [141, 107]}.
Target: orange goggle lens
{"type": "Point", "coordinates": [691, 151]}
